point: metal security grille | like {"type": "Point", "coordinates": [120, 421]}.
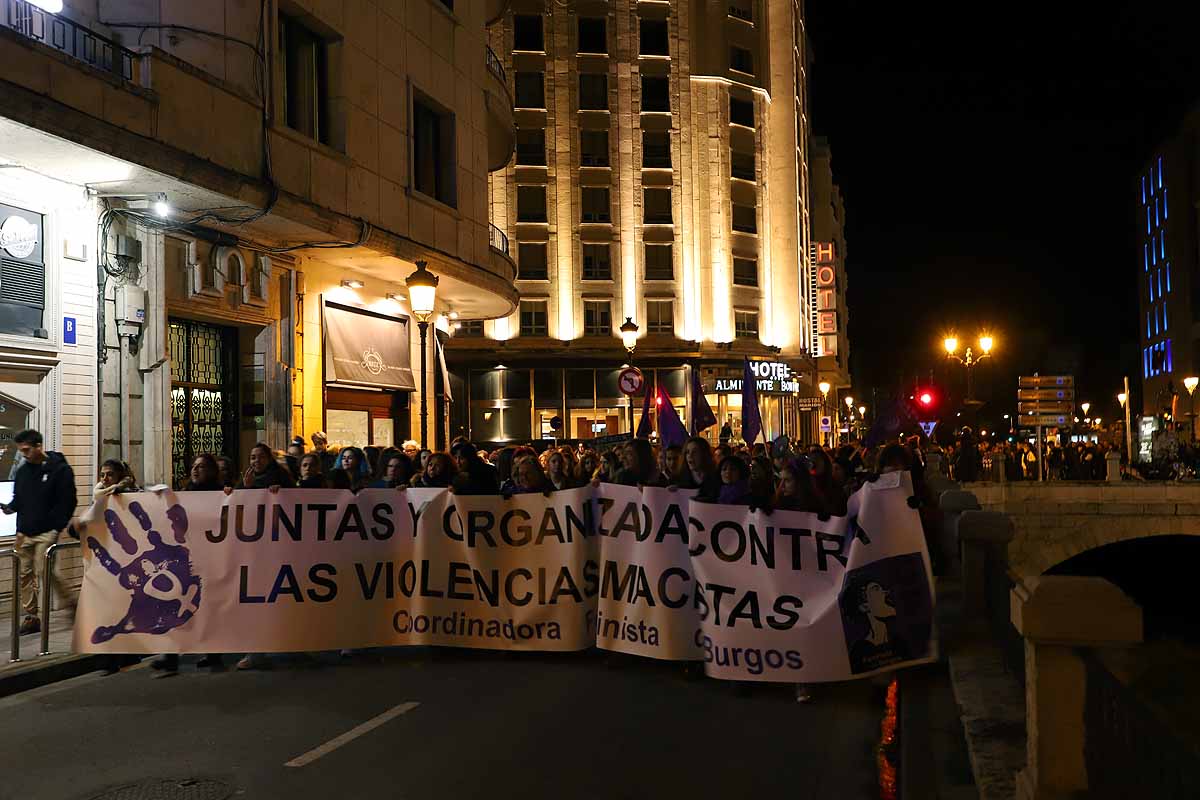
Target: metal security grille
{"type": "Point", "coordinates": [203, 393]}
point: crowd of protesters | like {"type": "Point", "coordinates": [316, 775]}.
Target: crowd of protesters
{"type": "Point", "coordinates": [971, 458]}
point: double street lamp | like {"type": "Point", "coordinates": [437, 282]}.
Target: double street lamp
{"type": "Point", "coordinates": [969, 358]}
{"type": "Point", "coordinates": [422, 296]}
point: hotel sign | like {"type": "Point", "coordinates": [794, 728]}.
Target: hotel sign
{"type": "Point", "coordinates": [772, 377]}
{"type": "Point", "coordinates": [826, 273]}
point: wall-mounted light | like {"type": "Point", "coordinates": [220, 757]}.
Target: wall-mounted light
{"type": "Point", "coordinates": [396, 298]}
{"type": "Point", "coordinates": [354, 284]}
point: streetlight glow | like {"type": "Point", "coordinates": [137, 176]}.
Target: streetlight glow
{"type": "Point", "coordinates": [824, 387]}
{"type": "Point", "coordinates": [862, 411]}
{"type": "Point", "coordinates": [629, 334]}
{"type": "Point", "coordinates": [1085, 407]}
{"type": "Point", "coordinates": [951, 344]}
{"type": "Point", "coordinates": [422, 292]}
{"type": "Point", "coordinates": [849, 401]}
{"type": "Point", "coordinates": [1190, 384]}
{"type": "Point", "coordinates": [1121, 398]}
{"type": "Point", "coordinates": [985, 343]}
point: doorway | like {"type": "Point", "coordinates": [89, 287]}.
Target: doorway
{"type": "Point", "coordinates": [203, 393]}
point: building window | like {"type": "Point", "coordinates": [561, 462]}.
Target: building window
{"type": "Point", "coordinates": [531, 147]}
{"type": "Point", "coordinates": [741, 112]}
{"type": "Point", "coordinates": [656, 93]}
{"type": "Point", "coordinates": [531, 204]}
{"type": "Point", "coordinates": [741, 165]}
{"type": "Point", "coordinates": [659, 263]}
{"type": "Point", "coordinates": [528, 33]}
{"type": "Point", "coordinates": [470, 328]}
{"type": "Point", "coordinates": [595, 204]}
{"type": "Point", "coordinates": [593, 148]}
{"type": "Point", "coordinates": [745, 272]}
{"type": "Point", "coordinates": [741, 60]}
{"type": "Point", "coordinates": [531, 91]}
{"type": "Point", "coordinates": [531, 261]}
{"type": "Point", "coordinates": [533, 318]}
{"type": "Point", "coordinates": [745, 324]}
{"type": "Point", "coordinates": [434, 151]}
{"type": "Point", "coordinates": [597, 318]}
{"type": "Point", "coordinates": [660, 316]}
{"type": "Point", "coordinates": [597, 262]}
{"type": "Point", "coordinates": [305, 79]}
{"type": "Point", "coordinates": [656, 149]}
{"type": "Point", "coordinates": [745, 218]}
{"type": "Point", "coordinates": [593, 35]}
{"type": "Point", "coordinates": [654, 40]}
{"type": "Point", "coordinates": [593, 91]}
{"type": "Point", "coordinates": [656, 206]}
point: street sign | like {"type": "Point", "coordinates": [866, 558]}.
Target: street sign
{"type": "Point", "coordinates": [928, 427]}
{"type": "Point", "coordinates": [1045, 381]}
{"type": "Point", "coordinates": [826, 424]}
{"type": "Point", "coordinates": [69, 328]}
{"type": "Point", "coordinates": [1043, 420]}
{"type": "Point", "coordinates": [630, 381]}
{"type": "Point", "coordinates": [1045, 408]}
{"type": "Point", "coordinates": [1053, 395]}
{"type": "Point", "coordinates": [808, 403]}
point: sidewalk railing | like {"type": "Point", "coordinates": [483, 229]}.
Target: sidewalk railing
{"type": "Point", "coordinates": [46, 590]}
{"type": "Point", "coordinates": [15, 638]}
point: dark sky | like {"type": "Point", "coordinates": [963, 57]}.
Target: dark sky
{"type": "Point", "coordinates": [988, 164]}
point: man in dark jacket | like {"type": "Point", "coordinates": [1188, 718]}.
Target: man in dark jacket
{"type": "Point", "coordinates": [43, 500]}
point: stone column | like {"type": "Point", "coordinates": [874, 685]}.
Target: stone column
{"type": "Point", "coordinates": [1112, 466]}
{"type": "Point", "coordinates": [952, 504]}
{"type": "Point", "coordinates": [1058, 614]}
{"type": "Point", "coordinates": [979, 531]}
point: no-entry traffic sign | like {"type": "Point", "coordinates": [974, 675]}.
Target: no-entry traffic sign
{"type": "Point", "coordinates": [630, 381]}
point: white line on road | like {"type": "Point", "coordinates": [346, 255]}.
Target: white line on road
{"type": "Point", "coordinates": [350, 735]}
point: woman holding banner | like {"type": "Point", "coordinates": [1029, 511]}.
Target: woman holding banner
{"type": "Point", "coordinates": [351, 471]}
{"type": "Point", "coordinates": [560, 469]}
{"type": "Point", "coordinates": [637, 464]}
{"type": "Point", "coordinates": [700, 471]}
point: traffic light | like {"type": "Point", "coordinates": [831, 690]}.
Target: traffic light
{"type": "Point", "coordinates": [926, 401]}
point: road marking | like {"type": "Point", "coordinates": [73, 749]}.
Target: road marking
{"type": "Point", "coordinates": [350, 735]}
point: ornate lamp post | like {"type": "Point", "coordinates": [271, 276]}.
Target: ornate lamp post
{"type": "Point", "coordinates": [849, 414]}
{"type": "Point", "coordinates": [969, 358]}
{"type": "Point", "coordinates": [422, 296]}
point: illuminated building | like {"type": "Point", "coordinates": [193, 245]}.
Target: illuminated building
{"type": "Point", "coordinates": [1166, 264]}
{"type": "Point", "coordinates": [660, 175]}
{"type": "Point", "coordinates": [827, 253]}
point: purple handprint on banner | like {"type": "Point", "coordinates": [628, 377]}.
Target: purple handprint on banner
{"type": "Point", "coordinates": [164, 592]}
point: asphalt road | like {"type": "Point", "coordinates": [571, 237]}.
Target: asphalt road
{"type": "Point", "coordinates": [442, 724]}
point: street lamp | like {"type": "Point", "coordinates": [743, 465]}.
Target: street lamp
{"type": "Point", "coordinates": [422, 295]}
{"type": "Point", "coordinates": [849, 414]}
{"type": "Point", "coordinates": [969, 358]}
{"type": "Point", "coordinates": [1085, 407]}
{"type": "Point", "coordinates": [825, 386]}
{"type": "Point", "coordinates": [1190, 385]}
{"type": "Point", "coordinates": [629, 331]}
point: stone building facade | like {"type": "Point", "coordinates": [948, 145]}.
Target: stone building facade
{"type": "Point", "coordinates": [306, 154]}
{"type": "Point", "coordinates": [661, 177]}
{"type": "Point", "coordinates": [829, 311]}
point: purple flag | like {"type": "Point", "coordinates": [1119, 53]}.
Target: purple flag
{"type": "Point", "coordinates": [644, 428]}
{"type": "Point", "coordinates": [670, 427]}
{"type": "Point", "coordinates": [751, 417]}
{"type": "Point", "coordinates": [701, 412]}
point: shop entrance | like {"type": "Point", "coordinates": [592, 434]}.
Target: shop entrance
{"type": "Point", "coordinates": [203, 393]}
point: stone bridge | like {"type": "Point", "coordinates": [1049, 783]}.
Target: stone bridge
{"type": "Point", "coordinates": [1057, 520]}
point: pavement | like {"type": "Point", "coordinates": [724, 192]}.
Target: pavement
{"type": "Point", "coordinates": [33, 670]}
{"type": "Point", "coordinates": [436, 723]}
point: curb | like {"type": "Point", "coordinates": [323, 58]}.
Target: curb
{"type": "Point", "coordinates": [21, 676]}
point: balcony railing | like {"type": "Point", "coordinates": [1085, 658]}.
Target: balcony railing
{"type": "Point", "coordinates": [69, 37]}
{"type": "Point", "coordinates": [493, 64]}
{"type": "Point", "coordinates": [743, 13]}
{"type": "Point", "coordinates": [497, 239]}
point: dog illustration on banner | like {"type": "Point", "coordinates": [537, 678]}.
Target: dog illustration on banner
{"type": "Point", "coordinates": [164, 593]}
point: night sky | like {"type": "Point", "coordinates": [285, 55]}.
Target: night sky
{"type": "Point", "coordinates": [988, 165]}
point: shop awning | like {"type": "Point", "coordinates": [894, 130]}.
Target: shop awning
{"type": "Point", "coordinates": [366, 349]}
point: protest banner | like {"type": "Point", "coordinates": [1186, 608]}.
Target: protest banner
{"type": "Point", "coordinates": [783, 597]}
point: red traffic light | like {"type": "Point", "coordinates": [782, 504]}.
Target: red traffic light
{"type": "Point", "coordinates": [926, 399]}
